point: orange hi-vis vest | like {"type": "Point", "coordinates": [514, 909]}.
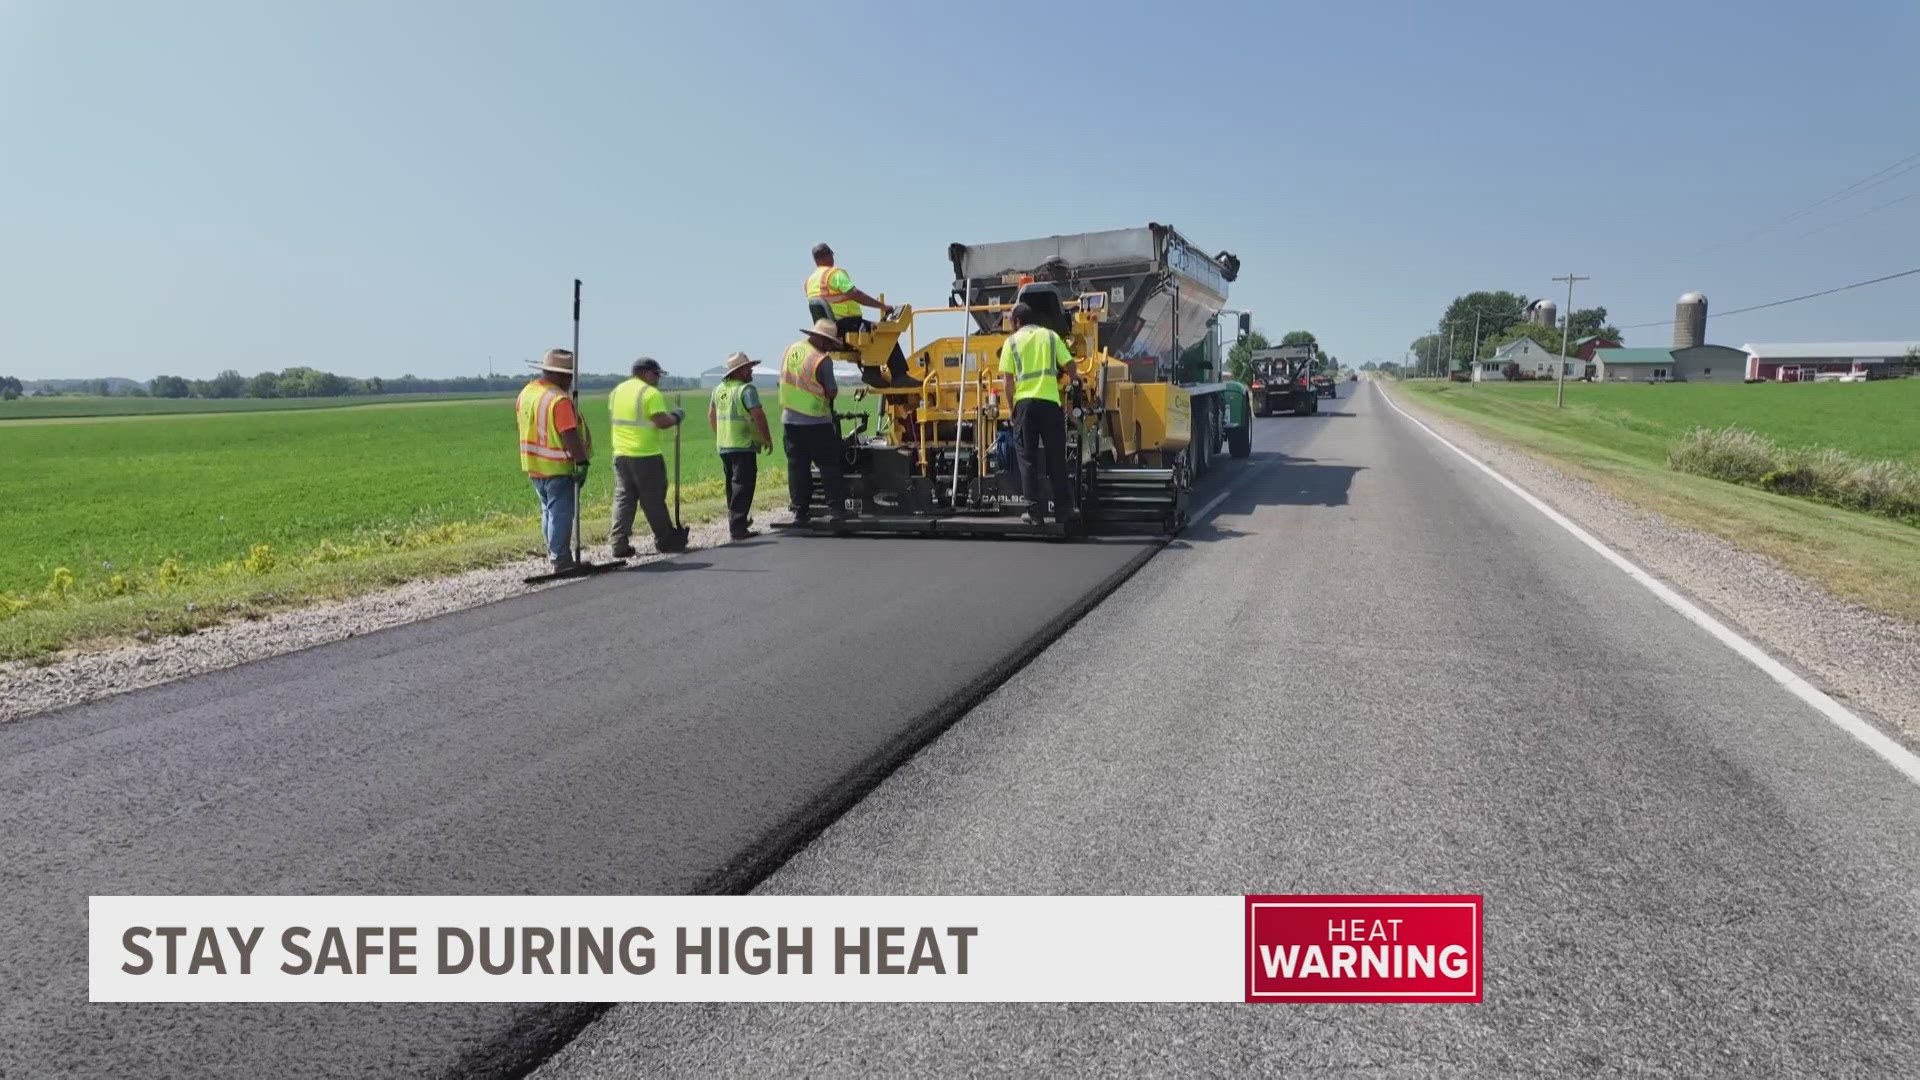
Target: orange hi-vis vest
{"type": "Point", "coordinates": [800, 388]}
{"type": "Point", "coordinates": [818, 288]}
{"type": "Point", "coordinates": [541, 451]}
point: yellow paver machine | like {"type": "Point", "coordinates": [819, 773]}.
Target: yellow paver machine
{"type": "Point", "coordinates": [1137, 308]}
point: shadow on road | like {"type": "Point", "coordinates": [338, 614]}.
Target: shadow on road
{"type": "Point", "coordinates": [1282, 480]}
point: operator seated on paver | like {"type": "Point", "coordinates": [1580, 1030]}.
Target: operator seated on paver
{"type": "Point", "coordinates": [811, 433]}
{"type": "Point", "coordinates": [1031, 363]}
{"type": "Point", "coordinates": [554, 448]}
{"type": "Point", "coordinates": [640, 413]}
{"type": "Point", "coordinates": [831, 295]}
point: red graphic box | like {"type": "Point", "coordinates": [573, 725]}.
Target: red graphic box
{"type": "Point", "coordinates": [1363, 948]}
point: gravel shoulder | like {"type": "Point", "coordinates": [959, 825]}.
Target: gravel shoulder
{"type": "Point", "coordinates": [81, 676]}
{"type": "Point", "coordinates": [1862, 657]}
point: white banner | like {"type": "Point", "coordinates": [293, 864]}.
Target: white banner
{"type": "Point", "coordinates": [667, 948]}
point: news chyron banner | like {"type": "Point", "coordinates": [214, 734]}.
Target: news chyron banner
{"type": "Point", "coordinates": [1270, 949]}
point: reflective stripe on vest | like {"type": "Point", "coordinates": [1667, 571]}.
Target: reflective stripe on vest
{"type": "Point", "coordinates": [837, 302]}
{"type": "Point", "coordinates": [800, 388]}
{"type": "Point", "coordinates": [633, 432]}
{"type": "Point", "coordinates": [732, 428]}
{"type": "Point", "coordinates": [1038, 357]}
{"type": "Point", "coordinates": [541, 451]}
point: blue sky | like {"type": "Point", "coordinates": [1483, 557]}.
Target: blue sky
{"type": "Point", "coordinates": [411, 186]}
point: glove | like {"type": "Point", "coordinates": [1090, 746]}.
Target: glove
{"type": "Point", "coordinates": [678, 415]}
{"type": "Point", "coordinates": [580, 472]}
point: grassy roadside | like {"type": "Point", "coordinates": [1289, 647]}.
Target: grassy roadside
{"type": "Point", "coordinates": [210, 596]}
{"type": "Point", "coordinates": [1871, 561]}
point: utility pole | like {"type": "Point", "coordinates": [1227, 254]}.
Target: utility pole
{"type": "Point", "coordinates": [1566, 331]}
{"type": "Point", "coordinates": [1449, 368]}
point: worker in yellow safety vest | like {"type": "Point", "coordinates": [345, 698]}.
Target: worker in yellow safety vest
{"type": "Point", "coordinates": [640, 413]}
{"type": "Point", "coordinates": [1031, 363]}
{"type": "Point", "coordinates": [554, 448]}
{"type": "Point", "coordinates": [831, 295]}
{"type": "Point", "coordinates": [810, 432]}
{"type": "Point", "coordinates": [739, 426]}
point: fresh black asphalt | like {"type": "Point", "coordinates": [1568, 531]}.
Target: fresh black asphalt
{"type": "Point", "coordinates": [676, 728]}
{"type": "Point", "coordinates": [1376, 670]}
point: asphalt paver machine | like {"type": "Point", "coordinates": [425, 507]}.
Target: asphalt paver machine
{"type": "Point", "coordinates": [1136, 307]}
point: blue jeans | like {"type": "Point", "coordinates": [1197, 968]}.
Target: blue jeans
{"type": "Point", "coordinates": [557, 496]}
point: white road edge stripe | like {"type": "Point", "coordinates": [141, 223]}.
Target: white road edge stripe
{"type": "Point", "coordinates": [1842, 717]}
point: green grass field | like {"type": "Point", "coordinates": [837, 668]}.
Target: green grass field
{"type": "Point", "coordinates": [1618, 436]}
{"type": "Point", "coordinates": [69, 406]}
{"type": "Point", "coordinates": [110, 525]}
{"type": "Point", "coordinates": [1871, 420]}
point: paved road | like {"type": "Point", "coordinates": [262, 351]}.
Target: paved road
{"type": "Point", "coordinates": [664, 730]}
{"type": "Point", "coordinates": [1686, 870]}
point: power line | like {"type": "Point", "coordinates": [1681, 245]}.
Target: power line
{"type": "Point", "coordinates": [1866, 183]}
{"type": "Point", "coordinates": [1856, 217]}
{"type": "Point", "coordinates": [1789, 300]}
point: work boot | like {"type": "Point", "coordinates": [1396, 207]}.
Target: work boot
{"type": "Point", "coordinates": [746, 534]}
{"type": "Point", "coordinates": [623, 551]}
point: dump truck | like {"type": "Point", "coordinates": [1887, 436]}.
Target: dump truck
{"type": "Point", "coordinates": [1283, 381]}
{"type": "Point", "coordinates": [1137, 310]}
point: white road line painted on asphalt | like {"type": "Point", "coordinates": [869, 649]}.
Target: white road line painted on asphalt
{"type": "Point", "coordinates": [1842, 717]}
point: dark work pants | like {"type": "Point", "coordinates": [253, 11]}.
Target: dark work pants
{"type": "Point", "coordinates": [1040, 439]}
{"type": "Point", "coordinates": [815, 445]}
{"type": "Point", "coordinates": [641, 480]}
{"type": "Point", "coordinates": [742, 470]}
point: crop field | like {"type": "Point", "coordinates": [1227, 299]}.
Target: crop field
{"type": "Point", "coordinates": [1875, 420]}
{"type": "Point", "coordinates": [78, 405]}
{"type": "Point", "coordinates": [151, 515]}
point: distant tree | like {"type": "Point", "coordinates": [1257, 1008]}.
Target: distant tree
{"type": "Point", "coordinates": [264, 385]}
{"type": "Point", "coordinates": [10, 388]}
{"type": "Point", "coordinates": [1547, 337]}
{"type": "Point", "coordinates": [100, 388]}
{"type": "Point", "coordinates": [1426, 350]}
{"type": "Point", "coordinates": [1495, 310]}
{"type": "Point", "coordinates": [1240, 357]}
{"type": "Point", "coordinates": [1368, 366]}
{"type": "Point", "coordinates": [1588, 322]}
{"type": "Point", "coordinates": [227, 384]}
{"type": "Point", "coordinates": [169, 386]}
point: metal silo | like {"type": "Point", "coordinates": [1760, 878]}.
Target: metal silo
{"type": "Point", "coordinates": [1544, 313]}
{"type": "Point", "coordinates": [1690, 321]}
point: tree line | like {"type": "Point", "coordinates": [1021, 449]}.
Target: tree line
{"type": "Point", "coordinates": [1477, 323]}
{"type": "Point", "coordinates": [306, 382]}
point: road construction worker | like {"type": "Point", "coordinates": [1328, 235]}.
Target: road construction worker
{"type": "Point", "coordinates": [740, 434]}
{"type": "Point", "coordinates": [640, 413]}
{"type": "Point", "coordinates": [554, 448]}
{"type": "Point", "coordinates": [810, 431]}
{"type": "Point", "coordinates": [831, 295]}
{"type": "Point", "coordinates": [1031, 363]}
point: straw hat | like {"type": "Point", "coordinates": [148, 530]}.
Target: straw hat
{"type": "Point", "coordinates": [561, 360]}
{"type": "Point", "coordinates": [737, 361]}
{"type": "Point", "coordinates": [825, 328]}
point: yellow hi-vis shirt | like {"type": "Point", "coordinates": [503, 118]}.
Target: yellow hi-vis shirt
{"type": "Point", "coordinates": [834, 286]}
{"type": "Point", "coordinates": [634, 405]}
{"type": "Point", "coordinates": [1035, 356]}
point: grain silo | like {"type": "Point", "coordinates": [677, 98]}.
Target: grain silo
{"type": "Point", "coordinates": [1690, 321]}
{"type": "Point", "coordinates": [1544, 313]}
